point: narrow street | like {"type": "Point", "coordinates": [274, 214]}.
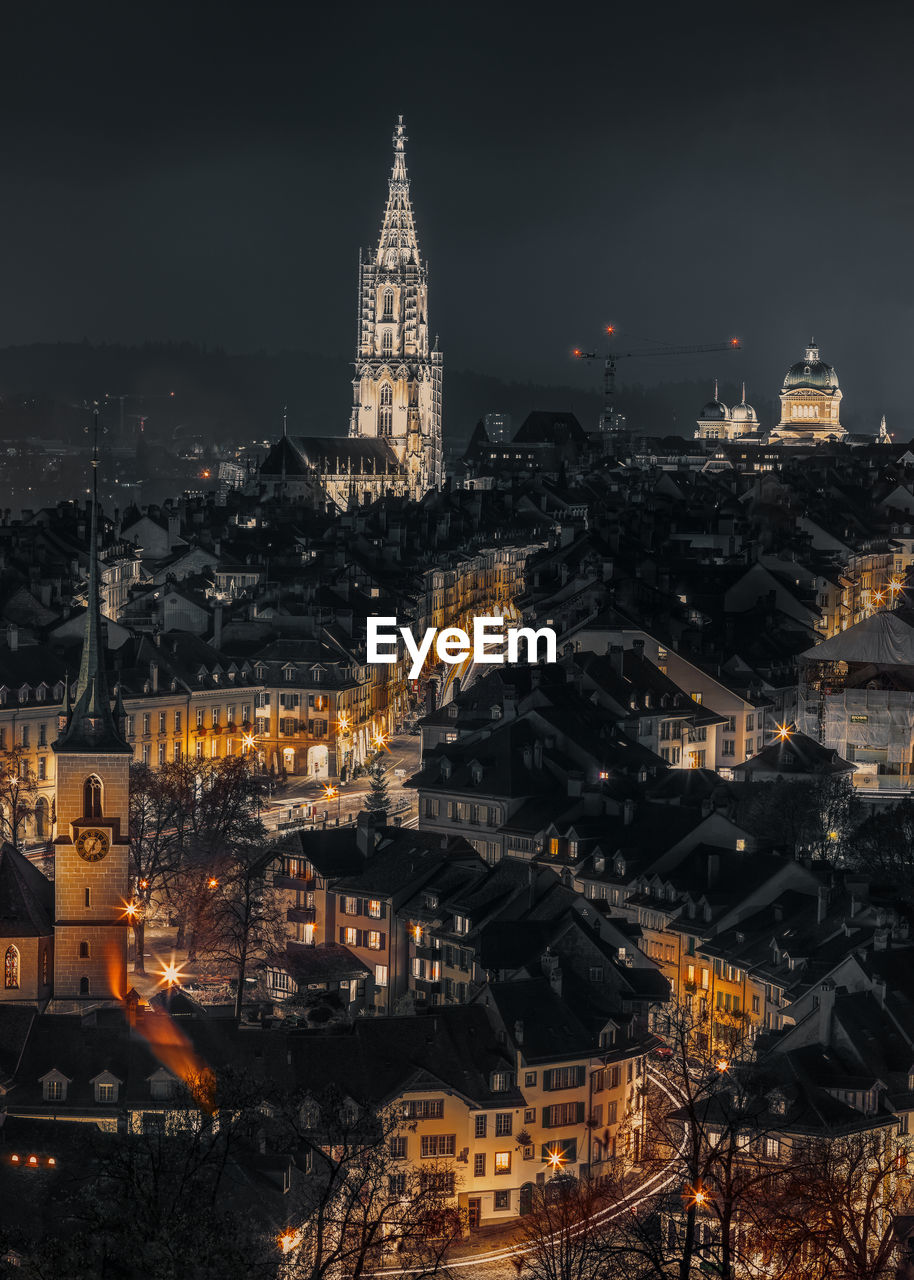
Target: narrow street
{"type": "Point", "coordinates": [287, 805]}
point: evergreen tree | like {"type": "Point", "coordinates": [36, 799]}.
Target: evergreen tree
{"type": "Point", "coordinates": [378, 798]}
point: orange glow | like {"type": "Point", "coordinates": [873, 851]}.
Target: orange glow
{"type": "Point", "coordinates": [288, 1241]}
{"type": "Point", "coordinates": [144, 884]}
{"type": "Point", "coordinates": [722, 1064]}
{"type": "Point", "coordinates": [734, 342]}
{"type": "Point", "coordinates": [213, 884]}
{"type": "Point", "coordinates": [33, 1159]}
{"type": "Point", "coordinates": [343, 724]}
{"type": "Point", "coordinates": [130, 910]}
{"type": "Point", "coordinates": [330, 791]}
{"type": "Point", "coordinates": [610, 328]}
{"type": "Point", "coordinates": [556, 1158]}
{"type": "Point", "coordinates": [576, 352]}
{"type": "Point", "coordinates": [51, 1160]}
{"type": "Point", "coordinates": [248, 740]}
{"type": "Point", "coordinates": [782, 732]}
{"type": "Point", "coordinates": [878, 597]}
{"type": "Point", "coordinates": [204, 475]}
{"type": "Point", "coordinates": [15, 1159]}
{"type": "Point", "coordinates": [173, 1049]}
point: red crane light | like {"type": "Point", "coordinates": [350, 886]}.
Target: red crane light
{"type": "Point", "coordinates": [610, 328]}
{"type": "Point", "coordinates": [734, 342]}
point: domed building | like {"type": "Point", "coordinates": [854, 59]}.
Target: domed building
{"type": "Point", "coordinates": [717, 422]}
{"type": "Point", "coordinates": [810, 403]}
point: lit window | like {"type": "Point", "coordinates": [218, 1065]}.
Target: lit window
{"type": "Point", "coordinates": [502, 1161]}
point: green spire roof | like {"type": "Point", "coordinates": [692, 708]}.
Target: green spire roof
{"type": "Point", "coordinates": [91, 727]}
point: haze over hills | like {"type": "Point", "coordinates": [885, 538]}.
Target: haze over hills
{"type": "Point", "coordinates": [224, 396]}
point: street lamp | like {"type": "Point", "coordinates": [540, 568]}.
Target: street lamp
{"type": "Point", "coordinates": [330, 793]}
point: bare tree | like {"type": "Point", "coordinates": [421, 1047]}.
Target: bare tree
{"type": "Point", "coordinates": [154, 851]}
{"type": "Point", "coordinates": [830, 1214]}
{"type": "Point", "coordinates": [18, 790]}
{"type": "Point", "coordinates": [362, 1206]}
{"type": "Point", "coordinates": [245, 919]}
{"type": "Point", "coordinates": [216, 807]}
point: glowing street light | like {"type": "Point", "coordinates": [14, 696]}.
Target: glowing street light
{"type": "Point", "coordinates": [782, 732]}
{"type": "Point", "coordinates": [333, 793]}
{"type": "Point", "coordinates": [722, 1064]}
{"type": "Point", "coordinates": [287, 1241]}
{"type": "Point", "coordinates": [170, 975]}
{"type": "Point", "coordinates": [556, 1158]}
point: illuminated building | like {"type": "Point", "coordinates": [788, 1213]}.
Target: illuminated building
{"type": "Point", "coordinates": [810, 403]}
{"type": "Point", "coordinates": [394, 445]}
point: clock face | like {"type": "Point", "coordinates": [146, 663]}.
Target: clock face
{"type": "Point", "coordinates": [92, 845]}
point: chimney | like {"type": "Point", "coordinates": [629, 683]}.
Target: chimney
{"type": "Point", "coordinates": [518, 1032]}
{"type": "Point", "coordinates": [879, 990]}
{"type": "Point", "coordinates": [154, 676]}
{"type": "Point", "coordinates": [821, 903]}
{"type": "Point", "coordinates": [217, 627]}
{"type": "Point", "coordinates": [368, 832]}
{"type": "Point", "coordinates": [628, 812]}
{"type": "Point", "coordinates": [537, 754]}
{"type": "Point", "coordinates": [713, 869]}
{"type": "Point", "coordinates": [881, 943]}
{"type": "Point", "coordinates": [551, 970]}
{"type": "Point", "coordinates": [575, 782]}
{"type": "Point", "coordinates": [616, 657]}
{"type": "Point", "coordinates": [12, 637]}
{"type": "Point", "coordinates": [638, 647]}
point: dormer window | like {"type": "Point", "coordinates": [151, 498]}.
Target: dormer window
{"type": "Point", "coordinates": [41, 692]}
{"type": "Point", "coordinates": [500, 1081]}
{"type": "Point", "coordinates": [54, 1086]}
{"type": "Point", "coordinates": [446, 769]}
{"type": "Point", "coordinates": [24, 693]}
{"type": "Point", "coordinates": [608, 1037]}
{"type": "Point", "coordinates": [161, 1085]}
{"type": "Point", "coordinates": [778, 1104]}
{"type": "Point", "coordinates": [106, 1086]}
{"type": "Point", "coordinates": [619, 865]}
{"type": "Point", "coordinates": [476, 773]}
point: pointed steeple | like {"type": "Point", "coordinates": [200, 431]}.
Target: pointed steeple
{"type": "Point", "coordinates": [744, 393]}
{"type": "Point", "coordinates": [398, 245]}
{"type": "Point", "coordinates": [90, 724]}
{"type": "Point", "coordinates": [716, 393]}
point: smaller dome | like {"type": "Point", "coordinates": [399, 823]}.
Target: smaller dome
{"type": "Point", "coordinates": [744, 413]}
{"type": "Point", "coordinates": [714, 411]}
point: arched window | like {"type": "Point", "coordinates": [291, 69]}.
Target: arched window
{"type": "Point", "coordinates": [11, 969]}
{"type": "Point", "coordinates": [387, 342]}
{"type": "Point", "coordinates": [388, 304]}
{"type": "Point", "coordinates": [386, 413]}
{"type": "Point", "coordinates": [92, 798]}
{"type": "Point", "coordinates": [42, 818]}
{"type": "Point", "coordinates": [84, 951]}
{"type": "Point", "coordinates": [84, 986]}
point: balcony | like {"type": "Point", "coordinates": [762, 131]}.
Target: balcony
{"type": "Point", "coordinates": [293, 882]}
{"type": "Point", "coordinates": [301, 915]}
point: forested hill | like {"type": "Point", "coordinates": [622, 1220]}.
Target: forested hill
{"type": "Point", "coordinates": [222, 395]}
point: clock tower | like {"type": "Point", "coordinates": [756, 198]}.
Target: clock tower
{"type": "Point", "coordinates": [91, 849]}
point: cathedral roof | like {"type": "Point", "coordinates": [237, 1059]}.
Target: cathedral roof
{"type": "Point", "coordinates": [550, 428]}
{"type": "Point", "coordinates": [365, 455]}
{"type": "Point", "coordinates": [26, 897]}
{"type": "Point", "coordinates": [811, 373]}
{"type": "Point", "coordinates": [284, 459]}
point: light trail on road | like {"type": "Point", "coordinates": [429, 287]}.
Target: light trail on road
{"type": "Point", "coordinates": [644, 1191]}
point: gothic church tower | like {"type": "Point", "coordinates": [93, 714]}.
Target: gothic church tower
{"type": "Point", "coordinates": [91, 849]}
{"type": "Point", "coordinates": [397, 387]}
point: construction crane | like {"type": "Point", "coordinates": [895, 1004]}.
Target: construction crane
{"type": "Point", "coordinates": [609, 365]}
{"type": "Point", "coordinates": [123, 398]}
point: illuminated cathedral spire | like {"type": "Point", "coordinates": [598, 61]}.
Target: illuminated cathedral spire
{"type": "Point", "coordinates": [397, 387]}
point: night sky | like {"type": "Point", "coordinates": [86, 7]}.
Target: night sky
{"type": "Point", "coordinates": [688, 172]}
